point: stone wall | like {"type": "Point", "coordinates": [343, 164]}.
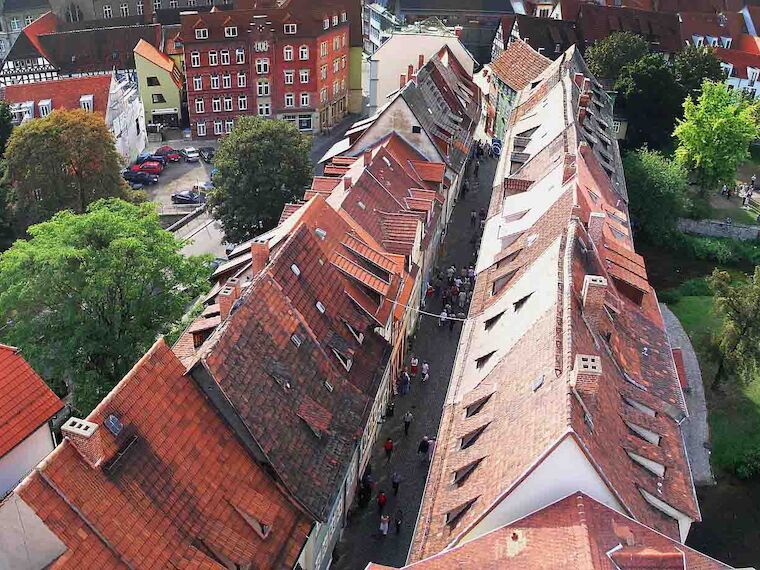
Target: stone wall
{"type": "Point", "coordinates": [715, 228]}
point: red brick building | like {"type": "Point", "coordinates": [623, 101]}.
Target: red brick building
{"type": "Point", "coordinates": [286, 63]}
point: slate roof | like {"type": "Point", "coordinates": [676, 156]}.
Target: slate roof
{"type": "Point", "coordinates": [575, 532]}
{"type": "Point", "coordinates": [27, 44]}
{"type": "Point", "coordinates": [63, 93]}
{"type": "Point", "coordinates": [455, 6]}
{"type": "Point", "coordinates": [26, 403]}
{"type": "Point", "coordinates": [518, 65]}
{"type": "Point", "coordinates": [542, 34]}
{"type": "Point", "coordinates": [175, 489]}
{"type": "Point", "coordinates": [661, 30]}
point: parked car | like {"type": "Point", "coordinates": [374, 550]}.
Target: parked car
{"type": "Point", "coordinates": [190, 154]}
{"type": "Point", "coordinates": [169, 153]}
{"type": "Point", "coordinates": [139, 177]}
{"type": "Point", "coordinates": [207, 153]}
{"type": "Point", "coordinates": [150, 166]}
{"type": "Point", "coordinates": [136, 185]}
{"type": "Point", "coordinates": [149, 157]}
{"type": "Point", "coordinates": [188, 197]}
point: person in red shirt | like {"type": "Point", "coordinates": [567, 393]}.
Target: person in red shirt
{"type": "Point", "coordinates": [388, 449]}
{"type": "Point", "coordinates": [381, 500]}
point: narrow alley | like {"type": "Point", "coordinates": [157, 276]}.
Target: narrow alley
{"type": "Point", "coordinates": [362, 542]}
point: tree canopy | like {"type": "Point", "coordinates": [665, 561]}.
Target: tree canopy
{"type": "Point", "coordinates": [64, 161]}
{"type": "Point", "coordinates": [606, 58]}
{"type": "Point", "coordinates": [695, 65]}
{"type": "Point", "coordinates": [657, 192]}
{"type": "Point", "coordinates": [87, 294]}
{"type": "Point", "coordinates": [715, 133]}
{"type": "Point", "coordinates": [262, 164]}
{"type": "Point", "coordinates": [6, 124]}
{"type": "Point", "coordinates": [652, 100]}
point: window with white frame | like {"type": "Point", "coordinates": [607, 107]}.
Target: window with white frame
{"type": "Point", "coordinates": [243, 102]}
{"type": "Point", "coordinates": [287, 53]}
{"type": "Point", "coordinates": [28, 20]}
{"type": "Point", "coordinates": [107, 12]}
{"type": "Point", "coordinates": [173, 3]}
{"type": "Point", "coordinates": [230, 31]}
{"type": "Point", "coordinates": [195, 59]}
{"type": "Point", "coordinates": [335, 20]}
{"type": "Point", "coordinates": [343, 40]}
{"type": "Point", "coordinates": [290, 99]}
{"type": "Point", "coordinates": [201, 33]}
{"type": "Point", "coordinates": [214, 82]}
{"type": "Point", "coordinates": [124, 9]}
{"type": "Point", "coordinates": [200, 128]}
{"type": "Point", "coordinates": [241, 80]}
{"type": "Point", "coordinates": [326, 23]}
{"type": "Point", "coordinates": [304, 99]}
{"type": "Point", "coordinates": [343, 62]}
{"type": "Point", "coordinates": [290, 29]}
{"type": "Point", "coordinates": [261, 46]}
{"type": "Point", "coordinates": [726, 42]}
{"type": "Point", "coordinates": [752, 75]}
{"type": "Point", "coordinates": [262, 88]}
{"type": "Point", "coordinates": [336, 43]}
{"type": "Point", "coordinates": [342, 85]}
{"type": "Point", "coordinates": [336, 88]}
{"type": "Point", "coordinates": [699, 41]}
{"type": "Point", "coordinates": [140, 8]}
{"type": "Point", "coordinates": [303, 53]}
{"type": "Point", "coordinates": [323, 95]}
{"type": "Point", "coordinates": [336, 65]}
{"type": "Point", "coordinates": [239, 55]}
{"type": "Point", "coordinates": [45, 107]}
{"type": "Point", "coordinates": [323, 49]}
{"type": "Point", "coordinates": [289, 76]}
{"type": "Point", "coordinates": [86, 102]}
{"type": "Point", "coordinates": [191, 2]}
{"type": "Point", "coordinates": [343, 16]}
{"type": "Point", "coordinates": [228, 125]}
{"type": "Point", "coordinates": [156, 4]}
{"type": "Point", "coordinates": [216, 104]}
{"type": "Point", "coordinates": [265, 109]}
{"type": "Point", "coordinates": [304, 123]}
{"type": "Point", "coordinates": [226, 81]}
{"type": "Point", "coordinates": [225, 57]}
{"type": "Point", "coordinates": [228, 103]}
{"type": "Point", "coordinates": [323, 72]}
{"type": "Point", "coordinates": [304, 75]}
{"type": "Point", "coordinates": [213, 58]}
{"type": "Point", "coordinates": [198, 83]}
{"type": "Point", "coordinates": [16, 23]}
{"type": "Point", "coordinates": [262, 66]}
{"type": "Point", "coordinates": [615, 127]}
{"type": "Point", "coordinates": [200, 106]}
{"type": "Point", "coordinates": [218, 127]}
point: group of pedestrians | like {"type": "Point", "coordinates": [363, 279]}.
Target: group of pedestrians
{"type": "Point", "coordinates": [412, 372]}
{"type": "Point", "coordinates": [454, 288]}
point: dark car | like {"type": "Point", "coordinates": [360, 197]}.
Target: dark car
{"type": "Point", "coordinates": [207, 153]}
{"type": "Point", "coordinates": [188, 197]}
{"type": "Point", "coordinates": [136, 185]}
{"type": "Point", "coordinates": [169, 153]}
{"type": "Point", "coordinates": [139, 177]}
{"type": "Point", "coordinates": [149, 157]}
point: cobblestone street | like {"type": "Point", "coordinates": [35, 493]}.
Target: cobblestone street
{"type": "Point", "coordinates": [362, 542]}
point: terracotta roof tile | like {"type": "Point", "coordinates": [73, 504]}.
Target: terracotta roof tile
{"type": "Point", "coordinates": [63, 93]}
{"type": "Point", "coordinates": [597, 22]}
{"type": "Point", "coordinates": [518, 65]}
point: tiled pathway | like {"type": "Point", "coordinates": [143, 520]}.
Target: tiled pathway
{"type": "Point", "coordinates": [361, 541]}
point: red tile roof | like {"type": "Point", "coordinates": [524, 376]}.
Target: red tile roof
{"type": "Point", "coordinates": [518, 65]}
{"type": "Point", "coordinates": [45, 24]}
{"type": "Point", "coordinates": [726, 24]}
{"type": "Point", "coordinates": [26, 403]}
{"type": "Point", "coordinates": [739, 60]}
{"type": "Point", "coordinates": [172, 489]}
{"type": "Point", "coordinates": [63, 93]}
{"type": "Point", "coordinates": [662, 30]}
{"type": "Point", "coordinates": [160, 59]}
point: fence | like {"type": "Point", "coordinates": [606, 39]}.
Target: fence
{"type": "Point", "coordinates": [715, 228]}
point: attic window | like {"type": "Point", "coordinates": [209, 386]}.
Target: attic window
{"type": "Point", "coordinates": [201, 34]}
{"type": "Point", "coordinates": [652, 466]}
{"type": "Point", "coordinates": [113, 424]}
{"type": "Point", "coordinates": [508, 259]}
{"type": "Point", "coordinates": [230, 32]}
{"type": "Point", "coordinates": [357, 335]}
{"type": "Point", "coordinates": [295, 339]}
{"type": "Point", "coordinates": [461, 475]}
{"type": "Point", "coordinates": [345, 361]}
{"type": "Point", "coordinates": [453, 516]}
{"type": "Point", "coordinates": [493, 320]}
{"type": "Point", "coordinates": [320, 307]}
{"type": "Point", "coordinates": [416, 129]}
{"type": "Point", "coordinates": [476, 406]}
{"type": "Point", "coordinates": [501, 282]}
{"type": "Point", "coordinates": [328, 386]}
{"type": "Point", "coordinates": [538, 381]}
{"type": "Point", "coordinates": [296, 271]}
{"type": "Point", "coordinates": [644, 433]}
{"type": "Point", "coordinates": [361, 205]}
{"type": "Point", "coordinates": [636, 405]}
{"type": "Point", "coordinates": [469, 439]}
{"type": "Point", "coordinates": [321, 234]}
{"type": "Point", "coordinates": [519, 303]}
{"type": "Point", "coordinates": [516, 216]}
{"type": "Point", "coordinates": [481, 362]}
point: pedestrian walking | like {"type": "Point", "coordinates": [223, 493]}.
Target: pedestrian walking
{"type": "Point", "coordinates": [399, 519]}
{"type": "Point", "coordinates": [422, 448]}
{"type": "Point", "coordinates": [465, 188]}
{"type": "Point", "coordinates": [473, 218]}
{"type": "Point", "coordinates": [450, 272]}
{"type": "Point", "coordinates": [381, 500]}
{"type": "Point", "coordinates": [451, 325]}
{"type": "Point", "coordinates": [462, 298]}
{"type": "Point", "coordinates": [477, 168]}
{"type": "Point", "coordinates": [414, 362]}
{"type": "Point", "coordinates": [388, 446]}
{"type": "Point", "coordinates": [425, 368]}
{"type": "Point", "coordinates": [442, 318]}
{"type": "Point", "coordinates": [408, 417]}
{"type": "Point", "coordinates": [384, 524]}
{"type": "Point", "coordinates": [396, 482]}
{"type": "Point", "coordinates": [404, 382]}
{"type": "Point", "coordinates": [752, 181]}
{"type": "Point", "coordinates": [431, 449]}
{"type": "Point", "coordinates": [482, 214]}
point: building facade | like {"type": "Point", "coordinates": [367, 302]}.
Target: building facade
{"type": "Point", "coordinates": [15, 16]}
{"type": "Point", "coordinates": [268, 63]}
{"type": "Point", "coordinates": [378, 24]}
{"type": "Point", "coordinates": [160, 84]}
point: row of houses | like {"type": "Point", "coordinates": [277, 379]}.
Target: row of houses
{"type": "Point", "coordinates": [242, 444]}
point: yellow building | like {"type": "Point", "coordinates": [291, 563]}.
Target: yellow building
{"type": "Point", "coordinates": [161, 83]}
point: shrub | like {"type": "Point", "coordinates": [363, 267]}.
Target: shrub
{"type": "Point", "coordinates": [692, 288]}
{"type": "Point", "coordinates": [749, 465]}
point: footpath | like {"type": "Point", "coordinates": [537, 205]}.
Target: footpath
{"type": "Point", "coordinates": [362, 542]}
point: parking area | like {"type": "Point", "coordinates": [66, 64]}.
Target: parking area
{"type": "Point", "coordinates": [177, 176]}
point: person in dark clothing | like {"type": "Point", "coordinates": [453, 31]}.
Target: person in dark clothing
{"type": "Point", "coordinates": [422, 448]}
{"type": "Point", "coordinates": [381, 500]}
{"type": "Point", "coordinates": [388, 446]}
{"type": "Point", "coordinates": [396, 482]}
{"type": "Point", "coordinates": [399, 519]}
{"type": "Point", "coordinates": [451, 324]}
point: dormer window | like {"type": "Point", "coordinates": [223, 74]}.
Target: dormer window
{"type": "Point", "coordinates": [290, 29]}
{"type": "Point", "coordinates": [320, 307]}
{"type": "Point", "coordinates": [725, 42]}
{"type": "Point", "coordinates": [201, 33]}
{"type": "Point", "coordinates": [343, 17]}
{"type": "Point", "coordinates": [699, 41]}
{"type": "Point", "coordinates": [45, 106]}
{"type": "Point", "coordinates": [481, 362]}
{"type": "Point", "coordinates": [453, 516]}
{"type": "Point", "coordinates": [652, 466]}
{"type": "Point", "coordinates": [344, 360]}
{"type": "Point", "coordinates": [326, 23]}
{"type": "Point", "coordinates": [335, 20]}
{"type": "Point", "coordinates": [461, 475]}
{"type": "Point", "coordinates": [230, 32]}
{"type": "Point", "coordinates": [86, 103]}
{"type": "Point", "coordinates": [470, 438]}
{"type": "Point", "coordinates": [476, 406]}
{"type": "Point", "coordinates": [357, 335]}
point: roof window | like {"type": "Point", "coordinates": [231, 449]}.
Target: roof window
{"type": "Point", "coordinates": [296, 271]}
{"type": "Point", "coordinates": [493, 320]}
{"type": "Point", "coordinates": [320, 307]}
{"type": "Point", "coordinates": [296, 340]}
{"type": "Point", "coordinates": [644, 433]}
{"type": "Point", "coordinates": [469, 439]}
{"type": "Point", "coordinates": [481, 362]}
{"type": "Point", "coordinates": [644, 409]}
{"type": "Point", "coordinates": [476, 406]}
{"type": "Point", "coordinates": [344, 360]}
{"type": "Point", "coordinates": [259, 527]}
{"type": "Point", "coordinates": [454, 515]}
{"type": "Point", "coordinates": [113, 424]}
{"type": "Point", "coordinates": [502, 282]}
{"type": "Point", "coordinates": [461, 474]}
{"type": "Point", "coordinates": [230, 32]}
{"type": "Point", "coordinates": [652, 466]}
{"type": "Point", "coordinates": [201, 33]}
{"type": "Point", "coordinates": [321, 234]}
{"type": "Point", "coordinates": [328, 386]}
{"type": "Point", "coordinates": [521, 302]}
{"type": "Point", "coordinates": [538, 381]}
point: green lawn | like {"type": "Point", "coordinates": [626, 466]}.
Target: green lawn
{"type": "Point", "coordinates": [734, 415]}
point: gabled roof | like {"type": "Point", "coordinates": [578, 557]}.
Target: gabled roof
{"type": "Point", "coordinates": [27, 45]}
{"type": "Point", "coordinates": [175, 487]}
{"type": "Point", "coordinates": [544, 35]}
{"type": "Point", "coordinates": [725, 24]}
{"type": "Point", "coordinates": [26, 403]}
{"type": "Point", "coordinates": [660, 29]}
{"type": "Point", "coordinates": [740, 60]}
{"type": "Point", "coordinates": [63, 93]}
{"type": "Point", "coordinates": [150, 53]}
{"type": "Point", "coordinates": [518, 65]}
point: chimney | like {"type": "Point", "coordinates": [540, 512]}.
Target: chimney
{"type": "Point", "coordinates": [226, 298]}
{"type": "Point", "coordinates": [593, 293]}
{"type": "Point", "coordinates": [409, 72]}
{"type": "Point", "coordinates": [586, 85]}
{"type": "Point", "coordinates": [587, 372]}
{"type": "Point", "coordinates": [578, 79]}
{"type": "Point", "coordinates": [259, 255]}
{"type": "Point", "coordinates": [583, 100]}
{"type": "Point", "coordinates": [458, 31]}
{"type": "Point", "coordinates": [595, 225]}
{"type": "Point", "coordinates": [420, 61]}
{"type": "Point", "coordinates": [582, 112]}
{"type": "Point", "coordinates": [402, 81]}
{"type": "Point", "coordinates": [234, 284]}
{"type": "Point", "coordinates": [85, 438]}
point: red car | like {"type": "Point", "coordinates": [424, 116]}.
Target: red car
{"type": "Point", "coordinates": [168, 153]}
{"type": "Point", "coordinates": [150, 166]}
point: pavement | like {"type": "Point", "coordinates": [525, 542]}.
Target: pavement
{"type": "Point", "coordinates": [361, 542]}
{"type": "Point", "coordinates": [696, 430]}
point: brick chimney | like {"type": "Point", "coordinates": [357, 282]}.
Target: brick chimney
{"type": "Point", "coordinates": [410, 72]}
{"type": "Point", "coordinates": [586, 85]}
{"type": "Point", "coordinates": [595, 225]}
{"type": "Point", "coordinates": [234, 283]}
{"type": "Point", "coordinates": [401, 81]}
{"type": "Point", "coordinates": [420, 61]}
{"type": "Point", "coordinates": [226, 298]}
{"type": "Point", "coordinates": [586, 375]}
{"type": "Point", "coordinates": [582, 112]}
{"type": "Point", "coordinates": [85, 438]}
{"type": "Point", "coordinates": [259, 255]}
{"type": "Point", "coordinates": [583, 100]}
{"type": "Point", "coordinates": [593, 293]}
{"type": "Point", "coordinates": [578, 79]}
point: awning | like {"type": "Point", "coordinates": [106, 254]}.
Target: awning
{"type": "Point", "coordinates": [172, 111]}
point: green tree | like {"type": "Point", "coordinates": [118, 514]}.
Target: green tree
{"type": "Point", "coordinates": [695, 65]}
{"type": "Point", "coordinates": [64, 161]}
{"type": "Point", "coordinates": [262, 164]}
{"type": "Point", "coordinates": [607, 57]}
{"type": "Point", "coordinates": [657, 192]}
{"type": "Point", "coordinates": [6, 125]}
{"type": "Point", "coordinates": [651, 100]}
{"type": "Point", "coordinates": [738, 340]}
{"type": "Point", "coordinates": [87, 294]}
{"type": "Point", "coordinates": [715, 133]}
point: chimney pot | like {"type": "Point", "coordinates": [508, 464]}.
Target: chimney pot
{"type": "Point", "coordinates": [402, 81]}
{"type": "Point", "coordinates": [593, 294]}
{"type": "Point", "coordinates": [581, 115]}
{"type": "Point", "coordinates": [410, 71]}
{"type": "Point", "coordinates": [587, 85]}
{"type": "Point", "coordinates": [583, 100]}
{"type": "Point", "coordinates": [578, 79]}
{"type": "Point", "coordinates": [226, 298]}
{"type": "Point", "coordinates": [259, 255]}
{"type": "Point", "coordinates": [85, 437]}
{"type": "Point", "coordinates": [420, 61]}
{"type": "Point", "coordinates": [587, 372]}
{"type": "Point", "coordinates": [595, 226]}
